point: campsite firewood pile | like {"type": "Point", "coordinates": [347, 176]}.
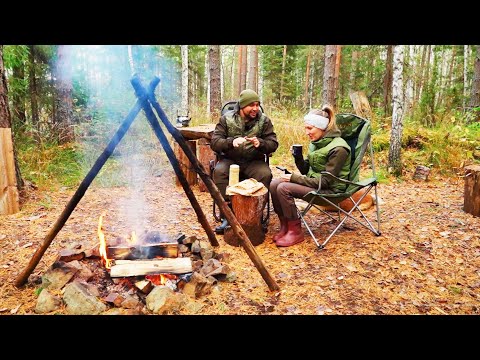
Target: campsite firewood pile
{"type": "Point", "coordinates": [136, 282]}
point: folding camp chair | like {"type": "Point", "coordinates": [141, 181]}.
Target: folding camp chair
{"type": "Point", "coordinates": [230, 106]}
{"type": "Point", "coordinates": [357, 133]}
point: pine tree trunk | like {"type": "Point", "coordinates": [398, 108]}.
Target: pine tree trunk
{"type": "Point", "coordinates": [32, 81]}
{"type": "Point", "coordinates": [328, 91]}
{"type": "Point", "coordinates": [475, 99]}
{"type": "Point", "coordinates": [394, 154]}
{"type": "Point", "coordinates": [252, 68]}
{"type": "Point", "coordinates": [387, 81]}
{"type": "Point", "coordinates": [284, 61]}
{"type": "Point", "coordinates": [307, 78]}
{"type": "Point", "coordinates": [466, 56]}
{"type": "Point", "coordinates": [214, 67]}
{"type": "Point", "coordinates": [238, 81]}
{"type": "Point", "coordinates": [419, 83]}
{"type": "Point", "coordinates": [243, 74]}
{"type": "Point", "coordinates": [18, 100]}
{"type": "Point", "coordinates": [338, 57]}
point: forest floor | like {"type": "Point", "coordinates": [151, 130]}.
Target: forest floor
{"type": "Point", "coordinates": [426, 260]}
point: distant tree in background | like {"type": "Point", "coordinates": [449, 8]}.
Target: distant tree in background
{"type": "Point", "coordinates": [214, 69]}
{"type": "Point", "coordinates": [475, 99]}
{"type": "Point", "coordinates": [63, 96]}
{"type": "Point", "coordinates": [394, 153]}
{"type": "Point", "coordinates": [184, 106]}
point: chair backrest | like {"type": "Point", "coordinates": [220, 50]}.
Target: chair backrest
{"type": "Point", "coordinates": [357, 132]}
{"type": "Point", "coordinates": [230, 106]}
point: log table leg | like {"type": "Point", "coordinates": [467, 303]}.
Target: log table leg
{"type": "Point", "coordinates": [185, 164]}
{"type": "Point", "coordinates": [248, 210]}
{"type": "Point", "coordinates": [205, 154]}
{"type": "Point", "coordinates": [472, 190]}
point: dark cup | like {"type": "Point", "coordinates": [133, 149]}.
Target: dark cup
{"type": "Point", "coordinates": [297, 150]}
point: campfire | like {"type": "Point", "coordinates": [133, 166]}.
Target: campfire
{"type": "Point", "coordinates": [153, 255]}
{"type": "Point", "coordinates": [141, 273]}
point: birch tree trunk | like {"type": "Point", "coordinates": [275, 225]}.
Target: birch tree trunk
{"type": "Point", "coordinates": [184, 105]}
{"type": "Point", "coordinates": [328, 91]}
{"type": "Point", "coordinates": [409, 90]}
{"type": "Point", "coordinates": [9, 198]}
{"type": "Point", "coordinates": [214, 67]}
{"type": "Point", "coordinates": [394, 154]}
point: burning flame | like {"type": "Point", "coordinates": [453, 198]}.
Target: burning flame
{"type": "Point", "coordinates": [160, 279]}
{"type": "Point", "coordinates": [102, 243]}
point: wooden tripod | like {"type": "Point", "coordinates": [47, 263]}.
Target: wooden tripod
{"type": "Point", "coordinates": [144, 101]}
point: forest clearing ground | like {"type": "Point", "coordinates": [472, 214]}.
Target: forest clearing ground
{"type": "Point", "coordinates": [426, 260]}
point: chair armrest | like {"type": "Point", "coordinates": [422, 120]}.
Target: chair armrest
{"type": "Point", "coordinates": [362, 183]}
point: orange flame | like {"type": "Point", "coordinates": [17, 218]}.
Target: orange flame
{"type": "Point", "coordinates": [160, 279]}
{"type": "Point", "coordinates": [102, 247]}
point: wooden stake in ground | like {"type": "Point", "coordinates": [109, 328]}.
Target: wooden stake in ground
{"type": "Point", "coordinates": [472, 190]}
{"type": "Point", "coordinates": [9, 199]}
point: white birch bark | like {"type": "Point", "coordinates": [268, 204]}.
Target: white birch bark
{"type": "Point", "coordinates": [394, 155]}
{"type": "Point", "coordinates": [184, 105]}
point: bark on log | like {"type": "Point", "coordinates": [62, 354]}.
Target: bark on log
{"type": "Point", "coordinates": [472, 190]}
{"type": "Point", "coordinates": [9, 198]}
{"type": "Point", "coordinates": [123, 268]}
{"type": "Point", "coordinates": [204, 131]}
{"type": "Point", "coordinates": [205, 155]}
{"type": "Point", "coordinates": [185, 164]}
{"type": "Point", "coordinates": [151, 251]}
{"type": "Point", "coordinates": [248, 210]}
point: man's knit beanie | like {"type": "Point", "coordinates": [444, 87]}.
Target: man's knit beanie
{"type": "Point", "coordinates": [247, 97]}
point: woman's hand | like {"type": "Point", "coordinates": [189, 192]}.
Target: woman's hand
{"type": "Point", "coordinates": [286, 177]}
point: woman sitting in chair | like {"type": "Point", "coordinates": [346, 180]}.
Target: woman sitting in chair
{"type": "Point", "coordinates": [327, 152]}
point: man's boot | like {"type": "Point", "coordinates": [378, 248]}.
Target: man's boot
{"type": "Point", "coordinates": [220, 229]}
{"type": "Point", "coordinates": [294, 234]}
{"type": "Point", "coordinates": [283, 228]}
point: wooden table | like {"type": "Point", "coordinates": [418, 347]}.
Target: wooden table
{"type": "Point", "coordinates": [198, 138]}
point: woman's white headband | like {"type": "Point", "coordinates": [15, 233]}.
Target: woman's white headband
{"type": "Point", "coordinates": [318, 121]}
